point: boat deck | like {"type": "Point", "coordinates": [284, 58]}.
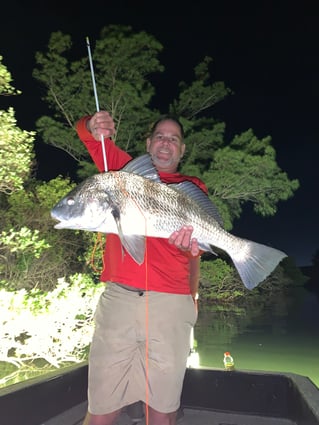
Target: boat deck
{"type": "Point", "coordinates": [187, 416]}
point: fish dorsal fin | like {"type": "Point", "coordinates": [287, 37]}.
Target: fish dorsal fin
{"type": "Point", "coordinates": [192, 191]}
{"type": "Point", "coordinates": [143, 166]}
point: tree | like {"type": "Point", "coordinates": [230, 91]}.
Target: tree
{"type": "Point", "coordinates": [237, 172]}
{"type": "Point", "coordinates": [246, 171]}
{"type": "Point", "coordinates": [16, 145]}
{"type": "Point", "coordinates": [122, 61]}
{"type": "Point", "coordinates": [32, 253]}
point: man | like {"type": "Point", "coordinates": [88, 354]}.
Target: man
{"type": "Point", "coordinates": [145, 315]}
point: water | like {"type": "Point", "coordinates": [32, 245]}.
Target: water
{"type": "Point", "coordinates": [282, 336]}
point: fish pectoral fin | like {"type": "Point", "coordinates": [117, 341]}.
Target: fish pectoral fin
{"type": "Point", "coordinates": [135, 246]}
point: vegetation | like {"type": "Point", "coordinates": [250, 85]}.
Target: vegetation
{"type": "Point", "coordinates": [48, 276]}
{"type": "Point", "coordinates": [42, 330]}
{"type": "Point", "coordinates": [16, 145]}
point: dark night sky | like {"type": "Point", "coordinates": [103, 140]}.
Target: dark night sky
{"type": "Point", "coordinates": [266, 53]}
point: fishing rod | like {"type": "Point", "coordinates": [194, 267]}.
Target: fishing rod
{"type": "Point", "coordinates": [96, 99]}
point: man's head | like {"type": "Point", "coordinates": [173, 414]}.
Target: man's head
{"type": "Point", "coordinates": [166, 143]}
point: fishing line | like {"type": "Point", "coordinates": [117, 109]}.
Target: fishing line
{"type": "Point", "coordinates": [96, 100]}
{"type": "Point", "coordinates": [146, 333]}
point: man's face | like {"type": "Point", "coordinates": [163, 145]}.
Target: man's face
{"type": "Point", "coordinates": [166, 146]}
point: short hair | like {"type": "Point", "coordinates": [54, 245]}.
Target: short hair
{"type": "Point", "coordinates": [167, 117]}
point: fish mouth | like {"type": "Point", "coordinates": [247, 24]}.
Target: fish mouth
{"type": "Point", "coordinates": [59, 225]}
{"type": "Point", "coordinates": [73, 225]}
{"type": "Point", "coordinates": [58, 222]}
{"type": "Point", "coordinates": [62, 224]}
{"type": "Point", "coordinates": [67, 225]}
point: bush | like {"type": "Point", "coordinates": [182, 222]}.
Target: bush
{"type": "Point", "coordinates": [50, 328]}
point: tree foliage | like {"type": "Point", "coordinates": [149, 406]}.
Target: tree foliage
{"type": "Point", "coordinates": [33, 254]}
{"type": "Point", "coordinates": [16, 145]}
{"type": "Point", "coordinates": [246, 171]}
{"type": "Point", "coordinates": [6, 87]}
{"type": "Point", "coordinates": [122, 62]}
{"type": "Point", "coordinates": [42, 330]}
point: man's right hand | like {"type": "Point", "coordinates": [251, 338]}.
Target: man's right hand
{"type": "Point", "coordinates": [101, 123]}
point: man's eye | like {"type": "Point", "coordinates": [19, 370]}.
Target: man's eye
{"type": "Point", "coordinates": [171, 139]}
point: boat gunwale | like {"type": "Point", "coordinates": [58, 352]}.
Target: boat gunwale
{"type": "Point", "coordinates": [261, 393]}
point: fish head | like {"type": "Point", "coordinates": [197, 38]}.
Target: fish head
{"type": "Point", "coordinates": [86, 207]}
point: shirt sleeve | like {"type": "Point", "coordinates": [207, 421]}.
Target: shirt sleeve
{"type": "Point", "coordinates": [116, 157]}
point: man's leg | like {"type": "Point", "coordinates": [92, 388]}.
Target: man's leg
{"type": "Point", "coordinates": [158, 418]}
{"type": "Point", "coordinates": [107, 419]}
{"type": "Point", "coordinates": [136, 411]}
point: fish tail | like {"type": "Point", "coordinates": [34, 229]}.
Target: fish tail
{"type": "Point", "coordinates": [255, 262]}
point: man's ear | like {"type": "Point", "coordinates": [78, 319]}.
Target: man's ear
{"type": "Point", "coordinates": [183, 150]}
{"type": "Point", "coordinates": [148, 143]}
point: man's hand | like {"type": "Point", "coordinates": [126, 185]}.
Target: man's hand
{"type": "Point", "coordinates": [101, 124]}
{"type": "Point", "coordinates": [183, 240]}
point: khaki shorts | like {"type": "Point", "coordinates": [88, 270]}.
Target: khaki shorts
{"type": "Point", "coordinates": [139, 349]}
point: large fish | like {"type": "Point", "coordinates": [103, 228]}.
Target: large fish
{"type": "Point", "coordinates": [133, 203]}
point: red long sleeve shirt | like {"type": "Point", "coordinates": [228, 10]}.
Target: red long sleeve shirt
{"type": "Point", "coordinates": [166, 268]}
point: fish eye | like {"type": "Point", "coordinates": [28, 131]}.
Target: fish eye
{"type": "Point", "coordinates": [70, 201]}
